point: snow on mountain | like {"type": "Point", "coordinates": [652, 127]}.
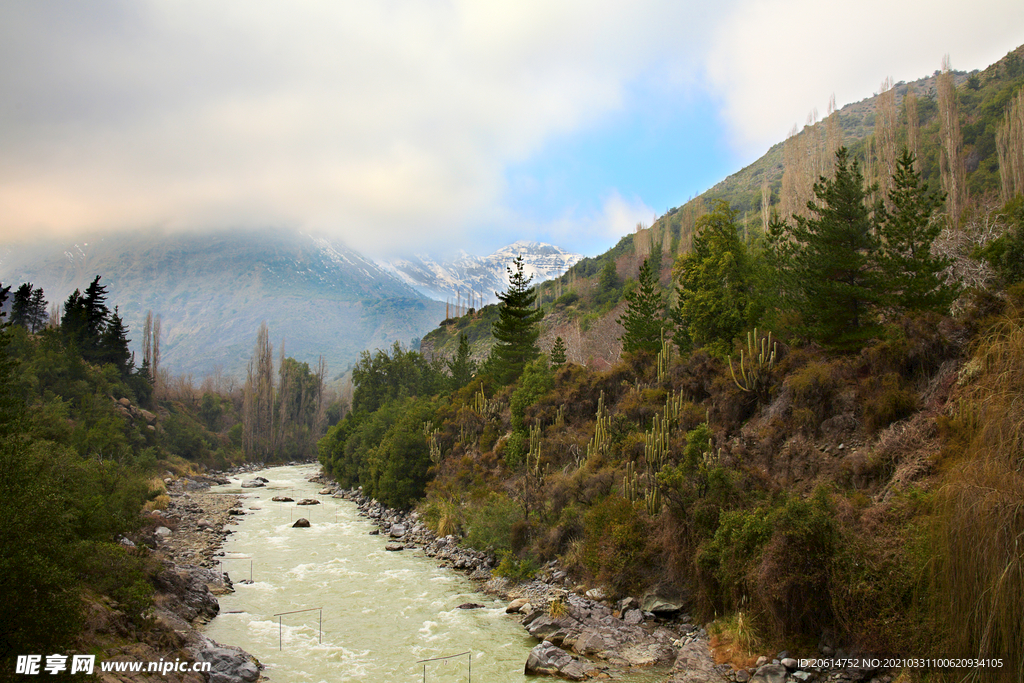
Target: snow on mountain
{"type": "Point", "coordinates": [475, 280]}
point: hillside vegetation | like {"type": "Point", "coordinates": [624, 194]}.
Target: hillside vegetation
{"type": "Point", "coordinates": [808, 430]}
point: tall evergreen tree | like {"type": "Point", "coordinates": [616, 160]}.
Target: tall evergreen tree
{"type": "Point", "coordinates": [644, 318]}
{"type": "Point", "coordinates": [21, 307]}
{"type": "Point", "coordinates": [835, 261]}
{"type": "Point", "coordinates": [114, 344]}
{"type": "Point", "coordinates": [517, 327]}
{"type": "Point", "coordinates": [558, 352]}
{"type": "Point", "coordinates": [715, 301]}
{"type": "Point", "coordinates": [907, 231]}
{"type": "Point", "coordinates": [38, 315]}
{"type": "Point", "coordinates": [461, 368]}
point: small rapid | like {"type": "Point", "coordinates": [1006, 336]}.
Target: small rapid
{"type": "Point", "coordinates": [383, 612]}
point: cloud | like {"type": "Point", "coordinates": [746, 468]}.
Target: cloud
{"type": "Point", "coordinates": [773, 61]}
{"type": "Point", "coordinates": [392, 124]}
{"type": "Point", "coordinates": [384, 123]}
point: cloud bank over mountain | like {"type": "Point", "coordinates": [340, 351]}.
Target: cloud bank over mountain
{"type": "Point", "coordinates": [394, 126]}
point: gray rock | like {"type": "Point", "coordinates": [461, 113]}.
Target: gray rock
{"type": "Point", "coordinates": [802, 675]}
{"type": "Point", "coordinates": [770, 673]}
{"type": "Point", "coordinates": [548, 659]}
{"type": "Point", "coordinates": [633, 616]}
{"type": "Point", "coordinates": [742, 676]}
{"type": "Point", "coordinates": [657, 604]}
{"type": "Point", "coordinates": [253, 484]}
{"type": "Point", "coordinates": [597, 593]}
{"type": "Point", "coordinates": [788, 662]}
{"type": "Point", "coordinates": [301, 523]}
{"type": "Point", "coordinates": [694, 664]}
{"type": "Point", "coordinates": [394, 547]}
{"type": "Point", "coordinates": [308, 501]}
{"type": "Point", "coordinates": [162, 531]}
{"type": "Point", "coordinates": [282, 499]}
{"type": "Point", "coordinates": [397, 530]}
{"type": "Point", "coordinates": [516, 605]}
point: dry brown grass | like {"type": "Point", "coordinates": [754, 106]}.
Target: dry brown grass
{"type": "Point", "coordinates": [980, 535]}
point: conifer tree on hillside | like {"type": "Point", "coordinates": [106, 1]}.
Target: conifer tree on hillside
{"type": "Point", "coordinates": [644, 318]}
{"type": "Point", "coordinates": [461, 368]}
{"type": "Point", "coordinates": [715, 299]}
{"type": "Point", "coordinates": [834, 262]}
{"type": "Point", "coordinates": [907, 229]}
{"type": "Point", "coordinates": [558, 352]}
{"type": "Point", "coordinates": [517, 327]}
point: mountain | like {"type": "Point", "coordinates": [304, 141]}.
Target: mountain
{"type": "Point", "coordinates": [212, 291]}
{"type": "Point", "coordinates": [473, 280]}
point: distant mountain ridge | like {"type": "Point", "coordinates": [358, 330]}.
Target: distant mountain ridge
{"type": "Point", "coordinates": [473, 280]}
{"type": "Point", "coordinates": [212, 291]}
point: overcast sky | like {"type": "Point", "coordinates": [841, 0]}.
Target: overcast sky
{"type": "Point", "coordinates": [431, 125]}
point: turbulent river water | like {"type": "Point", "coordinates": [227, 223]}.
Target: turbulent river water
{"type": "Point", "coordinates": [383, 612]}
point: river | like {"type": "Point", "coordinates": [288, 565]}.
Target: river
{"type": "Point", "coordinates": [383, 612]}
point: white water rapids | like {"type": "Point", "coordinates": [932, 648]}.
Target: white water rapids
{"type": "Point", "coordinates": [383, 612]}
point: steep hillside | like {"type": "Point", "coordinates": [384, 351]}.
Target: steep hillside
{"type": "Point", "coordinates": [213, 290]}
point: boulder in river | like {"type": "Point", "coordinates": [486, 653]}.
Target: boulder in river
{"type": "Point", "coordinates": [470, 605]}
{"type": "Point", "coordinates": [308, 501]}
{"type": "Point", "coordinates": [282, 499]}
{"type": "Point", "coordinates": [301, 523]}
{"type": "Point", "coordinates": [254, 484]}
{"type": "Point", "coordinates": [548, 659]}
{"type": "Point", "coordinates": [394, 547]}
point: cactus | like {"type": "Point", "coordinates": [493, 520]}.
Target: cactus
{"type": "Point", "coordinates": [487, 407]}
{"type": "Point", "coordinates": [600, 442]}
{"type": "Point", "coordinates": [664, 358]}
{"type": "Point", "coordinates": [560, 416]}
{"type": "Point", "coordinates": [435, 447]}
{"type": "Point", "coordinates": [533, 456]}
{"type": "Point", "coordinates": [756, 366]}
{"type": "Point", "coordinates": [673, 409]}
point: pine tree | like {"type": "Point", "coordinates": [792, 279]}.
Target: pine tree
{"type": "Point", "coordinates": [645, 314]}
{"type": "Point", "coordinates": [907, 231]}
{"type": "Point", "coordinates": [38, 315]}
{"type": "Point", "coordinates": [714, 290]}
{"type": "Point", "coordinates": [834, 264]}
{"type": "Point", "coordinates": [517, 327]}
{"type": "Point", "coordinates": [21, 313]}
{"type": "Point", "coordinates": [114, 344]}
{"type": "Point", "coordinates": [558, 352]}
{"type": "Point", "coordinates": [461, 368]}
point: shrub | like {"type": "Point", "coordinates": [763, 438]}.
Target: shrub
{"type": "Point", "coordinates": [887, 401]}
{"type": "Point", "coordinates": [489, 526]}
{"type": "Point", "coordinates": [618, 547]}
{"type": "Point", "coordinates": [515, 569]}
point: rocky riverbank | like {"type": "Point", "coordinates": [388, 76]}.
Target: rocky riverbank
{"type": "Point", "coordinates": [184, 537]}
{"type": "Point", "coordinates": [584, 636]}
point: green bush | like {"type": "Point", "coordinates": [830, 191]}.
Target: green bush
{"type": "Point", "coordinates": [489, 526]}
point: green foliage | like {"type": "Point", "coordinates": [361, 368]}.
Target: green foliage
{"type": "Point", "coordinates": [380, 377]}
{"type": "Point", "coordinates": [558, 352]}
{"type": "Point", "coordinates": [516, 570]}
{"type": "Point", "coordinates": [912, 281]}
{"type": "Point", "coordinates": [714, 285]}
{"type": "Point", "coordinates": [775, 561]}
{"type": "Point", "coordinates": [461, 368]}
{"type": "Point", "coordinates": [618, 548]}
{"type": "Point", "coordinates": [835, 261]}
{"type": "Point", "coordinates": [1006, 253]}
{"type": "Point", "coordinates": [643, 320]}
{"type": "Point", "coordinates": [516, 329]}
{"type": "Point", "coordinates": [489, 524]}
{"type": "Point", "coordinates": [609, 286]}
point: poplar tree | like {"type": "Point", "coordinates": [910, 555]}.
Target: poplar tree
{"type": "Point", "coordinates": [517, 327]}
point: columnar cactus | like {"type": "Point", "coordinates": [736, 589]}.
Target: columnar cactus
{"type": "Point", "coordinates": [756, 364]}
